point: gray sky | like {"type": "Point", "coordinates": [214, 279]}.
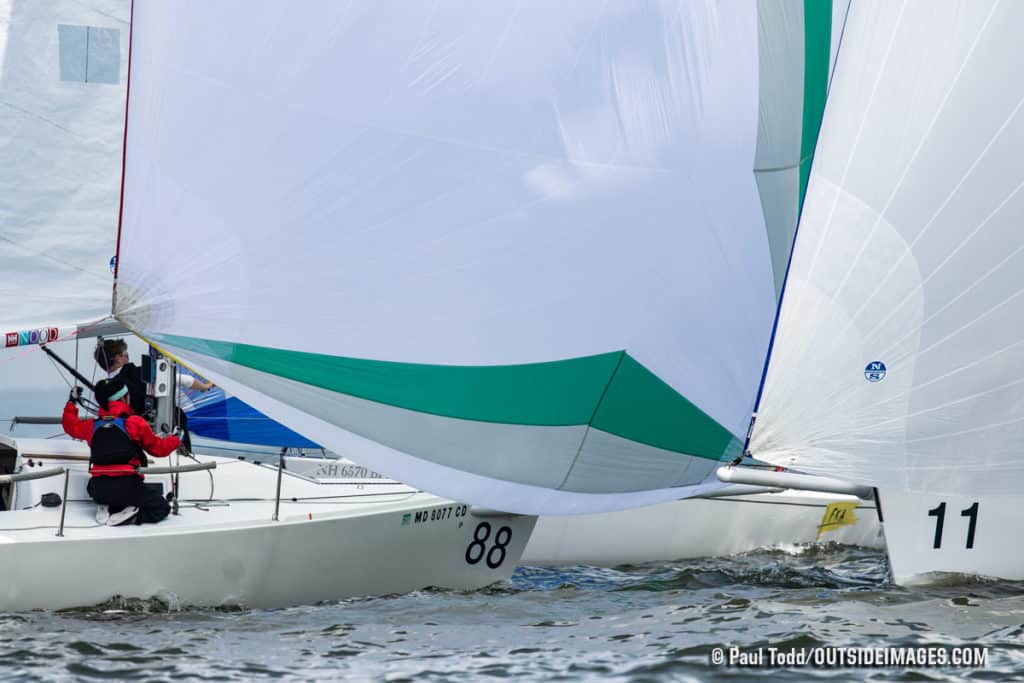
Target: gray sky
{"type": "Point", "coordinates": [28, 367]}
{"type": "Point", "coordinates": [32, 384]}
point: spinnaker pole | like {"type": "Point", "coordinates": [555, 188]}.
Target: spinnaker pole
{"type": "Point", "coordinates": [77, 375]}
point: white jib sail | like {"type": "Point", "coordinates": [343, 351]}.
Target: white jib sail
{"type": "Point", "coordinates": [899, 358]}
{"type": "Point", "coordinates": [514, 255]}
{"type": "Point", "coordinates": [62, 100]}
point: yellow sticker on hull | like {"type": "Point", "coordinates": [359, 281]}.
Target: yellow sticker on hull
{"type": "Point", "coordinates": [837, 515]}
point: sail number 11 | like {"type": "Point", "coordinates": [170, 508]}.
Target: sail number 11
{"type": "Point", "coordinates": [939, 513]}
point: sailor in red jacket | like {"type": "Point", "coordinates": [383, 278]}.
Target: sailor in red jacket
{"type": "Point", "coordinates": [117, 440]}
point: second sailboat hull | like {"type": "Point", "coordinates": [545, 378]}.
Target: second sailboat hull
{"type": "Point", "coordinates": [681, 529]}
{"type": "Point", "coordinates": [692, 528]}
{"type": "Point", "coordinates": [937, 538]}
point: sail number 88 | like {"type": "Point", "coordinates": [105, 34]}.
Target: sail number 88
{"type": "Point", "coordinates": [477, 550]}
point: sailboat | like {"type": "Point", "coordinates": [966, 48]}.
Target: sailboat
{"type": "Point", "coordinates": [527, 257]}
{"type": "Point", "coordinates": [242, 533]}
{"type": "Point", "coordinates": [897, 360]}
{"type": "Point", "coordinates": [513, 256]}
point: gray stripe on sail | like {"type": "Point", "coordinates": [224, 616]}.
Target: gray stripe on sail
{"type": "Point", "coordinates": [607, 463]}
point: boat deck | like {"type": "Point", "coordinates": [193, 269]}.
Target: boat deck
{"type": "Point", "coordinates": [237, 493]}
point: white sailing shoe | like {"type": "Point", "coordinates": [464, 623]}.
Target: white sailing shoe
{"type": "Point", "coordinates": [102, 514]}
{"type": "Point", "coordinates": [125, 516]}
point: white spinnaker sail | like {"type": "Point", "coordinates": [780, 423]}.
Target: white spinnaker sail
{"type": "Point", "coordinates": [899, 357]}
{"type": "Point", "coordinates": [514, 255]}
{"type": "Point", "coordinates": [62, 101]}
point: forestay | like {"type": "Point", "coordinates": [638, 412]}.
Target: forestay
{"type": "Point", "coordinates": [511, 254]}
{"type": "Point", "coordinates": [899, 358]}
{"type": "Point", "coordinates": [62, 96]}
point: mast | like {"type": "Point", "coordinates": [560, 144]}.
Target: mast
{"type": "Point", "coordinates": [124, 156]}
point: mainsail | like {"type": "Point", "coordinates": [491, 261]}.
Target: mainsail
{"type": "Point", "coordinates": [62, 97]}
{"type": "Point", "coordinates": [514, 255]}
{"type": "Point", "coordinates": [899, 358]}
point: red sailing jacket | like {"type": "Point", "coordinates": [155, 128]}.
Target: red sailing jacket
{"type": "Point", "coordinates": [137, 428]}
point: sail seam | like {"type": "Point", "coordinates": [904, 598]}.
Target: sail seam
{"type": "Point", "coordinates": [590, 422]}
{"type": "Point", "coordinates": [856, 260]}
{"type": "Point", "coordinates": [788, 167]}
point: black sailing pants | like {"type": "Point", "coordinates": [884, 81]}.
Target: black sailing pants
{"type": "Point", "coordinates": [117, 493]}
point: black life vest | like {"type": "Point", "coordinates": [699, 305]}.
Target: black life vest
{"type": "Point", "coordinates": [111, 444]}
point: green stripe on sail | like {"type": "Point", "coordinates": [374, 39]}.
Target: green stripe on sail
{"type": "Point", "coordinates": [550, 394]}
{"type": "Point", "coordinates": [610, 391]}
{"type": "Point", "coordinates": [640, 406]}
{"type": "Point", "coordinates": [817, 50]}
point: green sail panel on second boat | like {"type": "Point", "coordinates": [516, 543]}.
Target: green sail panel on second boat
{"type": "Point", "coordinates": [898, 358]}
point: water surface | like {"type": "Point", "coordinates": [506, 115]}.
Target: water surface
{"type": "Point", "coordinates": [638, 623]}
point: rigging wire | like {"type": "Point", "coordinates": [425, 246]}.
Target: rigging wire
{"type": "Point", "coordinates": [89, 405]}
{"type": "Point", "coordinates": [60, 372]}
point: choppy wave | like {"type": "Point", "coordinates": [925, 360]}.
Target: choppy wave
{"type": "Point", "coordinates": [650, 622]}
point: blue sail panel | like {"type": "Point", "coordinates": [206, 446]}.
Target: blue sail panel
{"type": "Point", "coordinates": [215, 415]}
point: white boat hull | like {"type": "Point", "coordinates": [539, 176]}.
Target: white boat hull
{"type": "Point", "coordinates": [931, 536]}
{"type": "Point", "coordinates": [329, 543]}
{"type": "Point", "coordinates": [692, 528]}
{"type": "Point", "coordinates": [682, 529]}
{"type": "Point", "coordinates": [262, 564]}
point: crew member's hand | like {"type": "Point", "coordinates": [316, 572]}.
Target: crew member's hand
{"type": "Point", "coordinates": [76, 395]}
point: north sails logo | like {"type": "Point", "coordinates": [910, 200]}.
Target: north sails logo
{"type": "Point", "coordinates": [874, 371]}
